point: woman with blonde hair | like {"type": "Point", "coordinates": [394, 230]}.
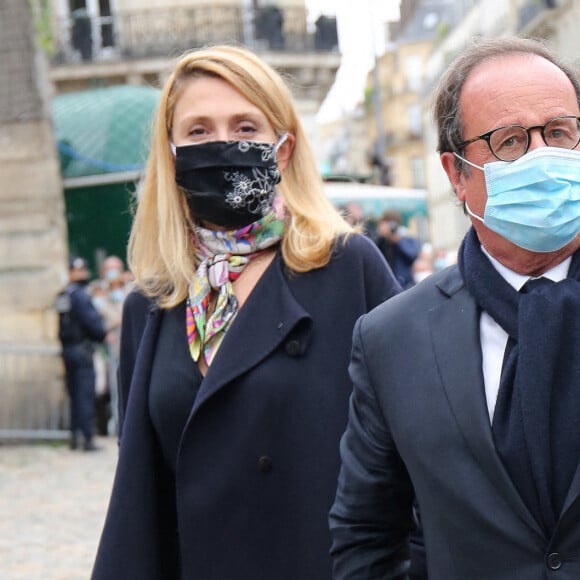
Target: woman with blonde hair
{"type": "Point", "coordinates": [233, 380]}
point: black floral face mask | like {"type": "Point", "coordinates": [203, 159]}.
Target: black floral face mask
{"type": "Point", "coordinates": [228, 183]}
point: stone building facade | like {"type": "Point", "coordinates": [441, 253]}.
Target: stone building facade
{"type": "Point", "coordinates": [32, 222]}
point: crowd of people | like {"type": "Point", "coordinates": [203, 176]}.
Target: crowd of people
{"type": "Point", "coordinates": [90, 314]}
{"type": "Point", "coordinates": [410, 259]}
{"type": "Point", "coordinates": [300, 400]}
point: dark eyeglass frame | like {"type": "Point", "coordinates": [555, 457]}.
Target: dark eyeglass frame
{"type": "Point", "coordinates": [487, 136]}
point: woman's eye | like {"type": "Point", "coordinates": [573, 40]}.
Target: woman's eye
{"type": "Point", "coordinates": [247, 129]}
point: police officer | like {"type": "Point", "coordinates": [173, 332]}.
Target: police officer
{"type": "Point", "coordinates": [80, 325]}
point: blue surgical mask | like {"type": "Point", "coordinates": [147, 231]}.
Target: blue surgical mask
{"type": "Point", "coordinates": [534, 201]}
{"type": "Point", "coordinates": [113, 274]}
{"type": "Point", "coordinates": [99, 302]}
{"type": "Point", "coordinates": [117, 295]}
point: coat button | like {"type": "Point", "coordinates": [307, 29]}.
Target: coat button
{"type": "Point", "coordinates": [265, 464]}
{"type": "Point", "coordinates": [292, 348]}
{"type": "Point", "coordinates": [554, 561]}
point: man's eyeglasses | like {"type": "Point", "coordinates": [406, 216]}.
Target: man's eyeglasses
{"type": "Point", "coordinates": [512, 141]}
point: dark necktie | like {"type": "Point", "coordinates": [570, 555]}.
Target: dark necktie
{"type": "Point", "coordinates": [535, 283]}
{"type": "Point", "coordinates": [508, 431]}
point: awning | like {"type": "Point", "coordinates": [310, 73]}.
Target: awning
{"type": "Point", "coordinates": [104, 130]}
{"type": "Point", "coordinates": [375, 199]}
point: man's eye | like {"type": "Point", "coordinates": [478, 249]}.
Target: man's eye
{"type": "Point", "coordinates": [511, 139]}
{"type": "Point", "coordinates": [509, 142]}
{"type": "Point", "coordinates": [560, 134]}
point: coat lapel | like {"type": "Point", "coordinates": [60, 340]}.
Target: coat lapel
{"type": "Point", "coordinates": [269, 316]}
{"type": "Point", "coordinates": [455, 330]}
{"type": "Point", "coordinates": [573, 492]}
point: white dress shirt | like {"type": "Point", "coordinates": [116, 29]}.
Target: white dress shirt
{"type": "Point", "coordinates": [494, 338]}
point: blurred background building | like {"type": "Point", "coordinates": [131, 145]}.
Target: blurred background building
{"type": "Point", "coordinates": [82, 78]}
{"type": "Point", "coordinates": [390, 138]}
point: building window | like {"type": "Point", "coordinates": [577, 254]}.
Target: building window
{"type": "Point", "coordinates": [413, 73]}
{"type": "Point", "coordinates": [418, 172]}
{"type": "Point", "coordinates": [414, 120]}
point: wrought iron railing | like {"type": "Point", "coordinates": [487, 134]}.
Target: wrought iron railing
{"type": "Point", "coordinates": [169, 32]}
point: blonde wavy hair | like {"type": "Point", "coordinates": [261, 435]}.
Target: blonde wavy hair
{"type": "Point", "coordinates": [160, 252]}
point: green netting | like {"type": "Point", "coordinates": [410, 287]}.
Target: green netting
{"type": "Point", "coordinates": [104, 130]}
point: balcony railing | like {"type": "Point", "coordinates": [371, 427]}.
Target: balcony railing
{"type": "Point", "coordinates": [169, 32]}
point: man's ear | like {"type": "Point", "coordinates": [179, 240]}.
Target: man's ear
{"type": "Point", "coordinates": [285, 151]}
{"type": "Point", "coordinates": [448, 161]}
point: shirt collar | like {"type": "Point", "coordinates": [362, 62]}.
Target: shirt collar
{"type": "Point", "coordinates": [556, 274]}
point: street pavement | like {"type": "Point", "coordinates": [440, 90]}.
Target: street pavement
{"type": "Point", "coordinates": [52, 508]}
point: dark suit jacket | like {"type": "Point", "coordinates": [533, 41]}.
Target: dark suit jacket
{"type": "Point", "coordinates": [258, 460]}
{"type": "Point", "coordinates": [418, 418]}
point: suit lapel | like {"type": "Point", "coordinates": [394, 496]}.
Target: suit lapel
{"type": "Point", "coordinates": [573, 492]}
{"type": "Point", "coordinates": [267, 318]}
{"type": "Point", "coordinates": [454, 327]}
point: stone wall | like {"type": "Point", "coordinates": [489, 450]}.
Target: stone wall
{"type": "Point", "coordinates": [33, 248]}
{"type": "Point", "coordinates": [32, 221]}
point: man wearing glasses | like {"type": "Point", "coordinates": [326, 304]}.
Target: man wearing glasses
{"type": "Point", "coordinates": [466, 396]}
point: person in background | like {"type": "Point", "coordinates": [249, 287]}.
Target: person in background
{"type": "Point", "coordinates": [399, 249]}
{"type": "Point", "coordinates": [233, 378]}
{"type": "Point", "coordinates": [108, 295]}
{"type": "Point", "coordinates": [423, 265]}
{"type": "Point", "coordinates": [80, 327]}
{"type": "Point", "coordinates": [353, 214]}
{"type": "Point", "coordinates": [441, 260]}
{"type": "Point", "coordinates": [466, 386]}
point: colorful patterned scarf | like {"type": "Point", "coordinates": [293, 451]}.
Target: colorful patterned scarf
{"type": "Point", "coordinates": [223, 255]}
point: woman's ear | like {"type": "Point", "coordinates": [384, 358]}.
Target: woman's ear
{"type": "Point", "coordinates": [285, 151]}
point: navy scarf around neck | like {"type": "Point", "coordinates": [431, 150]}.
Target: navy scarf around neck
{"type": "Point", "coordinates": [541, 446]}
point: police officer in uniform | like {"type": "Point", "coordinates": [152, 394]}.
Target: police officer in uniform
{"type": "Point", "coordinates": [80, 325]}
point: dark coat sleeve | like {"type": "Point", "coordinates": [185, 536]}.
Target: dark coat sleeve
{"type": "Point", "coordinates": [136, 309]}
{"type": "Point", "coordinates": [379, 280]}
{"type": "Point", "coordinates": [409, 249]}
{"type": "Point", "coordinates": [87, 316]}
{"type": "Point", "coordinates": [371, 518]}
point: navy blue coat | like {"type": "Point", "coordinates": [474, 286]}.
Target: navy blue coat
{"type": "Point", "coordinates": [258, 459]}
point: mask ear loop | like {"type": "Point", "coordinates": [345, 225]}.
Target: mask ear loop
{"type": "Point", "coordinates": [173, 148]}
{"type": "Point", "coordinates": [468, 162]}
{"type": "Point", "coordinates": [474, 215]}
{"type": "Point", "coordinates": [281, 141]}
